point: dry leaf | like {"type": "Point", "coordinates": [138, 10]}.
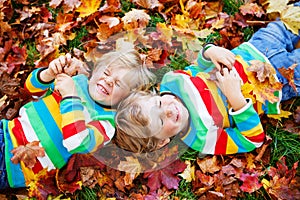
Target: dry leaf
{"type": "Point", "coordinates": [88, 7]}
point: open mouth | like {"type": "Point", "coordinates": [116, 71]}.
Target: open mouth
{"type": "Point", "coordinates": [177, 113]}
{"type": "Point", "coordinates": [102, 89]}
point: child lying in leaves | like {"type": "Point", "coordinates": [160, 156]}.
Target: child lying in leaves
{"type": "Point", "coordinates": [72, 115]}
{"type": "Point", "coordinates": [204, 105]}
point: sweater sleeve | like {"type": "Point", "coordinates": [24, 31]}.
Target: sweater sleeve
{"type": "Point", "coordinates": [79, 136]}
{"type": "Point", "coordinates": [244, 135]}
{"type": "Point", "coordinates": [35, 85]}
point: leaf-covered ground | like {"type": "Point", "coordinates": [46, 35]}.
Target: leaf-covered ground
{"type": "Point", "coordinates": [32, 33]}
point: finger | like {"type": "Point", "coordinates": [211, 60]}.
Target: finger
{"type": "Point", "coordinates": [225, 71]}
{"type": "Point", "coordinates": [218, 66]}
{"type": "Point", "coordinates": [219, 75]}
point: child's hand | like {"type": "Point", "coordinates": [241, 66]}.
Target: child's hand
{"type": "Point", "coordinates": [65, 85]}
{"type": "Point", "coordinates": [219, 56]}
{"type": "Point", "coordinates": [56, 67]}
{"type": "Point", "coordinates": [230, 84]}
{"type": "Point", "coordinates": [77, 66]}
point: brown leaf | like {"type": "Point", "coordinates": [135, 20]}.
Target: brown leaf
{"type": "Point", "coordinates": [27, 154]}
{"type": "Point", "coordinates": [289, 75]}
{"type": "Point", "coordinates": [209, 164]}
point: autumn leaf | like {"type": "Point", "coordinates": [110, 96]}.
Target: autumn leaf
{"type": "Point", "coordinates": [88, 7]}
{"type": "Point", "coordinates": [189, 173]}
{"type": "Point", "coordinates": [276, 5]}
{"type": "Point", "coordinates": [149, 4]}
{"type": "Point", "coordinates": [135, 19]}
{"type": "Point", "coordinates": [43, 185]}
{"type": "Point", "coordinates": [283, 182]}
{"type": "Point", "coordinates": [132, 167]}
{"type": "Point", "coordinates": [252, 9]}
{"type": "Point", "coordinates": [250, 182]}
{"type": "Point", "coordinates": [282, 114]}
{"type": "Point", "coordinates": [262, 76]}
{"type": "Point", "coordinates": [27, 154]}
{"type": "Point", "coordinates": [166, 176]}
{"type": "Point", "coordinates": [209, 164]}
{"type": "Point", "coordinates": [291, 18]}
{"type": "Point", "coordinates": [289, 75]}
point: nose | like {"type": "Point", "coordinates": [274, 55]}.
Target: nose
{"type": "Point", "coordinates": [109, 80]}
{"type": "Point", "coordinates": [167, 110]}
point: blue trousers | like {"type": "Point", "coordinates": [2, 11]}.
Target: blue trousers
{"type": "Point", "coordinates": [3, 175]}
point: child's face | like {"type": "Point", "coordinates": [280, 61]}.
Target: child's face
{"type": "Point", "coordinates": [168, 116]}
{"type": "Point", "coordinates": [110, 85]}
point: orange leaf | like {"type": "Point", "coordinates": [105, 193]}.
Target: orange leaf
{"type": "Point", "coordinates": [88, 7]}
{"type": "Point", "coordinates": [289, 75]}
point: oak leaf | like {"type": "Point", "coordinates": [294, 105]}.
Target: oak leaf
{"type": "Point", "coordinates": [88, 7]}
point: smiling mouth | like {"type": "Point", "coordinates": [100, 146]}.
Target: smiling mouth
{"type": "Point", "coordinates": [102, 89]}
{"type": "Point", "coordinates": [177, 113]}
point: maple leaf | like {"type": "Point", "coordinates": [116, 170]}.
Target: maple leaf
{"type": "Point", "coordinates": [27, 154]}
{"type": "Point", "coordinates": [135, 19]}
{"type": "Point", "coordinates": [276, 5]}
{"type": "Point", "coordinates": [283, 183]}
{"type": "Point", "coordinates": [88, 7]}
{"type": "Point", "coordinates": [132, 167]}
{"type": "Point", "coordinates": [290, 17]}
{"type": "Point", "coordinates": [166, 176]}
{"type": "Point", "coordinates": [111, 6]}
{"type": "Point", "coordinates": [250, 182]}
{"type": "Point", "coordinates": [43, 185]}
{"type": "Point", "coordinates": [149, 4]}
{"type": "Point", "coordinates": [289, 75]}
{"type": "Point", "coordinates": [208, 164]}
{"type": "Point", "coordinates": [252, 9]}
{"type": "Point", "coordinates": [282, 114]}
{"type": "Point", "coordinates": [262, 75]}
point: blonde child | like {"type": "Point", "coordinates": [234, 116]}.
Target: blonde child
{"type": "Point", "coordinates": [73, 114]}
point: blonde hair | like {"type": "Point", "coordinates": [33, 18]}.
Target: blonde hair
{"type": "Point", "coordinates": [132, 131]}
{"type": "Point", "coordinates": [130, 59]}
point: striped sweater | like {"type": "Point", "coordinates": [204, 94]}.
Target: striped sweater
{"type": "Point", "coordinates": [63, 127]}
{"type": "Point", "coordinates": [214, 127]}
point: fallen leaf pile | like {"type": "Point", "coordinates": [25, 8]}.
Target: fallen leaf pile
{"type": "Point", "coordinates": [33, 33]}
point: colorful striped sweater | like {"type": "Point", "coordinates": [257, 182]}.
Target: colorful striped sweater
{"type": "Point", "coordinates": [214, 127]}
{"type": "Point", "coordinates": [63, 127]}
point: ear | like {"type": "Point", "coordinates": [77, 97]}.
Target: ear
{"type": "Point", "coordinates": [162, 143]}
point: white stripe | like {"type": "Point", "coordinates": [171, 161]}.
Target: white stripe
{"type": "Point", "coordinates": [199, 106]}
{"type": "Point", "coordinates": [76, 140]}
{"type": "Point", "coordinates": [109, 130]}
{"type": "Point", "coordinates": [31, 136]}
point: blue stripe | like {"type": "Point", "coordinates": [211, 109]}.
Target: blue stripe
{"type": "Point", "coordinates": [51, 127]}
{"type": "Point", "coordinates": [248, 124]}
{"type": "Point", "coordinates": [241, 142]}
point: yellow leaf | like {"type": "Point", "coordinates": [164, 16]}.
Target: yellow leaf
{"type": "Point", "coordinates": [189, 173]}
{"type": "Point", "coordinates": [182, 21]}
{"type": "Point", "coordinates": [283, 114]}
{"type": "Point", "coordinates": [88, 7]}
{"type": "Point", "coordinates": [291, 18]}
{"type": "Point", "coordinates": [277, 5]}
{"type": "Point", "coordinates": [266, 183]}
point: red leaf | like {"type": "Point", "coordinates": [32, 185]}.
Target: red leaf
{"type": "Point", "coordinates": [166, 176]}
{"type": "Point", "coordinates": [250, 182]}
